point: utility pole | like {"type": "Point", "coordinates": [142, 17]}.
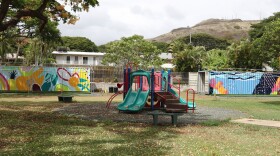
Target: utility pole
{"type": "Point", "coordinates": [190, 34]}
{"type": "Point", "coordinates": [190, 37]}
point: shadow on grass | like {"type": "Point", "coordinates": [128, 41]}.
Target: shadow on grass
{"type": "Point", "coordinates": [138, 139]}
{"type": "Point", "coordinates": [211, 123]}
{"type": "Point", "coordinates": [275, 103]}
{"type": "Point", "coordinates": [34, 131]}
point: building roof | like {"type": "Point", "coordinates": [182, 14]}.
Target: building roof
{"type": "Point", "coordinates": [167, 66]}
{"type": "Point", "coordinates": [166, 56]}
{"type": "Point", "coordinates": [78, 53]}
{"type": "Point", "coordinates": [12, 56]}
{"type": "Point", "coordinates": [162, 55]}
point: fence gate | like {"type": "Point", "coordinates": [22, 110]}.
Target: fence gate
{"type": "Point", "coordinates": [202, 82]}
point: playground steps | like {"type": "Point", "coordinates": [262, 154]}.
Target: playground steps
{"type": "Point", "coordinates": [177, 107]}
{"type": "Point", "coordinates": [173, 110]}
{"type": "Point", "coordinates": [172, 103]}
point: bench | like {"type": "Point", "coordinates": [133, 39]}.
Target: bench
{"type": "Point", "coordinates": [65, 98]}
{"type": "Point", "coordinates": [174, 116]}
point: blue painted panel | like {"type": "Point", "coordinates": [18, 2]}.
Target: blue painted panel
{"type": "Point", "coordinates": [244, 82]}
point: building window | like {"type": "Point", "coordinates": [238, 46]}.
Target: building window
{"type": "Point", "coordinates": [68, 59]}
{"type": "Point", "coordinates": [76, 59]}
{"type": "Point", "coordinates": [85, 60]}
{"type": "Point", "coordinates": [94, 60]}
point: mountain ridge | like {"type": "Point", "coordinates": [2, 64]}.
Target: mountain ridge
{"type": "Point", "coordinates": [233, 29]}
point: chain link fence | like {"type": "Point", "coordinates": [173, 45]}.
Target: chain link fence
{"type": "Point", "coordinates": [183, 77]}
{"type": "Point", "coordinates": [106, 74]}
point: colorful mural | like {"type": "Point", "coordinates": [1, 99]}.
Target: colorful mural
{"type": "Point", "coordinates": [244, 83]}
{"type": "Point", "coordinates": [44, 79]}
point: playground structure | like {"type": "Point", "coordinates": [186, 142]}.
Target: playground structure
{"type": "Point", "coordinates": [152, 90]}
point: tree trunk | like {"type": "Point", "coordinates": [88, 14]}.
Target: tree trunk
{"type": "Point", "coordinates": [18, 49]}
{"type": "Point", "coordinates": [3, 57]}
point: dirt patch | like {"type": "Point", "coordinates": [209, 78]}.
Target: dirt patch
{"type": "Point", "coordinates": [3, 144]}
{"type": "Point", "coordinates": [99, 112]}
{"type": "Point", "coordinates": [268, 123]}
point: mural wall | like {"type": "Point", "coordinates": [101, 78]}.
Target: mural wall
{"type": "Point", "coordinates": [44, 79]}
{"type": "Point", "coordinates": [244, 83]}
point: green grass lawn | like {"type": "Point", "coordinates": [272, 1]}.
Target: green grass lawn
{"type": "Point", "coordinates": [257, 107]}
{"type": "Point", "coordinates": [28, 127]}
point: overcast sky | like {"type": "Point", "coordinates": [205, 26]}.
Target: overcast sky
{"type": "Point", "coordinates": [114, 19]}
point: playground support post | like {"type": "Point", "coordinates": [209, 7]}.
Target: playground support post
{"type": "Point", "coordinates": [152, 88]}
{"type": "Point", "coordinates": [161, 88]}
{"type": "Point", "coordinates": [124, 83]}
{"type": "Point", "coordinates": [141, 83]}
{"type": "Point", "coordinates": [128, 79]}
{"type": "Point", "coordinates": [169, 80]}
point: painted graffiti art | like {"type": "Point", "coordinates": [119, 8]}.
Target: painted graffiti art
{"type": "Point", "coordinates": [244, 83]}
{"type": "Point", "coordinates": [44, 79]}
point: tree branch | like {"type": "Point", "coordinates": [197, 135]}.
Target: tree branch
{"type": "Point", "coordinates": [4, 9]}
{"type": "Point", "coordinates": [43, 6]}
{"type": "Point", "coordinates": [38, 13]}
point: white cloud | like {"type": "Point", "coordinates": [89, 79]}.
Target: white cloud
{"type": "Point", "coordinates": [174, 13]}
{"type": "Point", "coordinates": [115, 19]}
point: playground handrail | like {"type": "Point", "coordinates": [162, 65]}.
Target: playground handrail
{"type": "Point", "coordinates": [111, 98]}
{"type": "Point", "coordinates": [177, 87]}
{"type": "Point", "coordinates": [161, 95]}
{"type": "Point", "coordinates": [193, 98]}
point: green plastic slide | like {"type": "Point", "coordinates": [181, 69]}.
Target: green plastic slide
{"type": "Point", "coordinates": [140, 101]}
{"type": "Point", "coordinates": [183, 101]}
{"type": "Point", "coordinates": [134, 101]}
{"type": "Point", "coordinates": [129, 99]}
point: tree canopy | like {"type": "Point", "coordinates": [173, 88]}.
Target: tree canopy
{"type": "Point", "coordinates": [162, 46]}
{"type": "Point", "coordinates": [258, 29]}
{"type": "Point", "coordinates": [16, 12]}
{"type": "Point", "coordinates": [132, 49]}
{"type": "Point", "coordinates": [216, 59]}
{"type": "Point", "coordinates": [35, 22]}
{"type": "Point", "coordinates": [187, 58]}
{"type": "Point", "coordinates": [241, 55]}
{"type": "Point", "coordinates": [207, 41]}
{"type": "Point", "coordinates": [102, 48]}
{"type": "Point", "coordinates": [190, 59]}
{"type": "Point", "coordinates": [267, 47]}
{"type": "Point", "coordinates": [79, 44]}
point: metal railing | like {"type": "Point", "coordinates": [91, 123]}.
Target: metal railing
{"type": "Point", "coordinates": [178, 86]}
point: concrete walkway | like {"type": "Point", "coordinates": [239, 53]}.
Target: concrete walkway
{"type": "Point", "coordinates": [269, 123]}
